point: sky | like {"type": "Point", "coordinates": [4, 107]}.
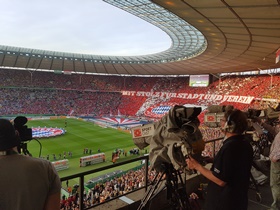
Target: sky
{"type": "Point", "coordinates": [75, 26]}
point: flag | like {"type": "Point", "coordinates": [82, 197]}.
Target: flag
{"type": "Point", "coordinates": [71, 112]}
{"type": "Point", "coordinates": [277, 56]}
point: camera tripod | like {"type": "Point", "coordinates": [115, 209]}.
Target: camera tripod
{"type": "Point", "coordinates": [176, 191]}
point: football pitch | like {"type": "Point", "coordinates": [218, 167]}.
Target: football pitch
{"type": "Point", "coordinates": [79, 135]}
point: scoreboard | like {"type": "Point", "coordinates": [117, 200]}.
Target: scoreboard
{"type": "Point", "coordinates": [199, 80]}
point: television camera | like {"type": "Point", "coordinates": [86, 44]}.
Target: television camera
{"type": "Point", "coordinates": [24, 133]}
{"type": "Point", "coordinates": [171, 140]}
{"type": "Point", "coordinates": [258, 137]}
{"type": "Point", "coordinates": [216, 112]}
{"type": "Point", "coordinates": [261, 138]}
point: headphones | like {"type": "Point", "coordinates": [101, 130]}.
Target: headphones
{"type": "Point", "coordinates": [229, 124]}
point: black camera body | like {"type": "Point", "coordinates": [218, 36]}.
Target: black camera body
{"type": "Point", "coordinates": [25, 133]}
{"type": "Point", "coordinates": [171, 138]}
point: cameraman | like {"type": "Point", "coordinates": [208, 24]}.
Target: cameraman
{"type": "Point", "coordinates": [274, 157]}
{"type": "Point", "coordinates": [26, 183]}
{"type": "Point", "coordinates": [229, 176]}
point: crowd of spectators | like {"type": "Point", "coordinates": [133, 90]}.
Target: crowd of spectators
{"type": "Point", "coordinates": [37, 92]}
{"type": "Point", "coordinates": [57, 102]}
{"type": "Point", "coordinates": [258, 86]}
{"type": "Point", "coordinates": [25, 92]}
{"type": "Point", "coordinates": [107, 190]}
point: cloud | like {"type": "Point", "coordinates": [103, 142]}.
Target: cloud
{"type": "Point", "coordinates": [88, 26]}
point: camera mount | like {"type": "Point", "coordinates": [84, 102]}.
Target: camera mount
{"type": "Point", "coordinates": [174, 185]}
{"type": "Point", "coordinates": [25, 134]}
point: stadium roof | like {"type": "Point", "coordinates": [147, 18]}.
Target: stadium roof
{"type": "Point", "coordinates": [208, 37]}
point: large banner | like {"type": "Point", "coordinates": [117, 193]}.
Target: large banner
{"type": "Point", "coordinates": [209, 97]}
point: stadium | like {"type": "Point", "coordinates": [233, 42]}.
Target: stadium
{"type": "Point", "coordinates": [81, 107]}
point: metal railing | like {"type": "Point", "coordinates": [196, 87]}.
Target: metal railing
{"type": "Point", "coordinates": [81, 177]}
{"type": "Point", "coordinates": [214, 144]}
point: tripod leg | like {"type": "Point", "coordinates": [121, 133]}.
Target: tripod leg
{"type": "Point", "coordinates": [258, 194]}
{"type": "Point", "coordinates": [178, 195]}
{"type": "Point", "coordinates": [150, 191]}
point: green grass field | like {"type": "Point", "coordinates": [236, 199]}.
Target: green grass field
{"type": "Point", "coordinates": [81, 134]}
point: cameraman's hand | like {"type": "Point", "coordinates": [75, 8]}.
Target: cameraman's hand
{"type": "Point", "coordinates": [192, 163]}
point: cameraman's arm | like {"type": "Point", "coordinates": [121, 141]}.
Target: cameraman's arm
{"type": "Point", "coordinates": [269, 128]}
{"type": "Point", "coordinates": [193, 164]}
{"type": "Point", "coordinates": [265, 125]}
